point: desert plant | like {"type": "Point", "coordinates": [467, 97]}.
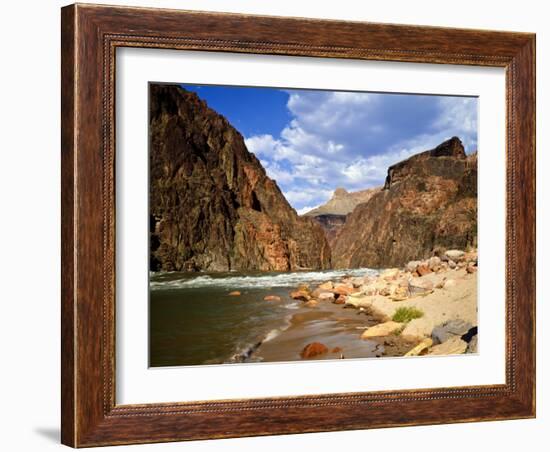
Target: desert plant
{"type": "Point", "coordinates": [406, 314]}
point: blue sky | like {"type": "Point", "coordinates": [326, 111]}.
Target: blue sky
{"type": "Point", "coordinates": [312, 142]}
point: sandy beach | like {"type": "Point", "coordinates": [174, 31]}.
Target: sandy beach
{"type": "Point", "coordinates": [360, 319]}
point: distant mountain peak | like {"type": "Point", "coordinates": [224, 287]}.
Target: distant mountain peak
{"type": "Point", "coordinates": [342, 202]}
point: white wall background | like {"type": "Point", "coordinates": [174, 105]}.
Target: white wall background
{"type": "Point", "coordinates": [30, 186]}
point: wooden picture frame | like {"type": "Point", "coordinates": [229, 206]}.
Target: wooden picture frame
{"type": "Point", "coordinates": [90, 36]}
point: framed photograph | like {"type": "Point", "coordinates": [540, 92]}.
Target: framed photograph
{"type": "Point", "coordinates": [282, 225]}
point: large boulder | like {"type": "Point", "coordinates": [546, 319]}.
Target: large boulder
{"type": "Point", "coordinates": [452, 346]}
{"type": "Point", "coordinates": [450, 329]}
{"type": "Point", "coordinates": [382, 329]}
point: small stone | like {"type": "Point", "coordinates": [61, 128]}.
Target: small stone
{"type": "Point", "coordinates": [452, 264]}
{"type": "Point", "coordinates": [235, 293]}
{"type": "Point", "coordinates": [412, 265]}
{"type": "Point", "coordinates": [400, 293]}
{"type": "Point", "coordinates": [423, 269]}
{"type": "Point", "coordinates": [471, 257]}
{"type": "Point", "coordinates": [471, 269]}
{"type": "Point", "coordinates": [343, 289]}
{"type": "Point", "coordinates": [311, 304]}
{"type": "Point", "coordinates": [304, 287]}
{"type": "Point", "coordinates": [326, 285]}
{"type": "Point", "coordinates": [300, 295]}
{"type": "Point", "coordinates": [452, 346]}
{"type": "Point", "coordinates": [382, 329]}
{"type": "Point", "coordinates": [419, 286]}
{"type": "Point", "coordinates": [336, 350]}
{"type": "Point", "coordinates": [386, 291]}
{"type": "Point", "coordinates": [357, 282]}
{"type": "Point", "coordinates": [342, 299]}
{"type": "Point", "coordinates": [421, 348]}
{"type": "Point", "coordinates": [272, 298]}
{"type": "Point", "coordinates": [316, 293]}
{"type": "Point", "coordinates": [313, 349]}
{"type": "Point", "coordinates": [434, 263]}
{"type": "Point", "coordinates": [389, 274]}
{"type": "Point", "coordinates": [455, 255]}
{"type": "Point", "coordinates": [326, 296]}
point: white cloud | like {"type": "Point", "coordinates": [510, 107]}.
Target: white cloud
{"type": "Point", "coordinates": [340, 139]}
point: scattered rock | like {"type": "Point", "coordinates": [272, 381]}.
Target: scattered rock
{"type": "Point", "coordinates": [326, 296]}
{"type": "Point", "coordinates": [420, 286]}
{"type": "Point", "coordinates": [453, 346]}
{"type": "Point", "coordinates": [412, 265]}
{"type": "Point", "coordinates": [449, 329]}
{"type": "Point", "coordinates": [336, 350]}
{"type": "Point", "coordinates": [382, 329]}
{"type": "Point", "coordinates": [471, 269]}
{"type": "Point", "coordinates": [440, 284]}
{"type": "Point", "coordinates": [423, 269]}
{"type": "Point", "coordinates": [311, 304]}
{"type": "Point", "coordinates": [326, 286]}
{"type": "Point", "coordinates": [455, 255]}
{"type": "Point", "coordinates": [434, 263]}
{"type": "Point", "coordinates": [386, 291]}
{"type": "Point", "coordinates": [272, 298]}
{"type": "Point", "coordinates": [389, 274]}
{"type": "Point", "coordinates": [316, 293]}
{"type": "Point", "coordinates": [342, 289]}
{"type": "Point", "coordinates": [421, 348]}
{"type": "Point", "coordinates": [400, 293]}
{"type": "Point", "coordinates": [357, 282]}
{"type": "Point", "coordinates": [471, 257]}
{"type": "Point", "coordinates": [342, 299]}
{"type": "Point", "coordinates": [300, 295]}
{"type": "Point", "coordinates": [452, 264]}
{"type": "Point", "coordinates": [313, 349]}
{"type": "Point", "coordinates": [235, 293]}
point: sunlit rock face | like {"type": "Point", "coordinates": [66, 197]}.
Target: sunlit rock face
{"type": "Point", "coordinates": [428, 204]}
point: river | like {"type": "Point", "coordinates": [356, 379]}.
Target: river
{"type": "Point", "coordinates": [194, 320]}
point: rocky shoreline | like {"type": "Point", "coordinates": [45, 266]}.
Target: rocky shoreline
{"type": "Point", "coordinates": [428, 307]}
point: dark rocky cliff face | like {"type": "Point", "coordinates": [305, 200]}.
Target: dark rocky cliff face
{"type": "Point", "coordinates": [429, 203]}
{"type": "Point", "coordinates": [212, 206]}
{"type": "Point", "coordinates": [331, 224]}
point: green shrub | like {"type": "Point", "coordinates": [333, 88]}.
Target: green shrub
{"type": "Point", "coordinates": [406, 314]}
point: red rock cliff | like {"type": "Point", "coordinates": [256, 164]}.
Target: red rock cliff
{"type": "Point", "coordinates": [212, 206]}
{"type": "Point", "coordinates": [429, 202]}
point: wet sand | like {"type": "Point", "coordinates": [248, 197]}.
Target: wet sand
{"type": "Point", "coordinates": [337, 328]}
